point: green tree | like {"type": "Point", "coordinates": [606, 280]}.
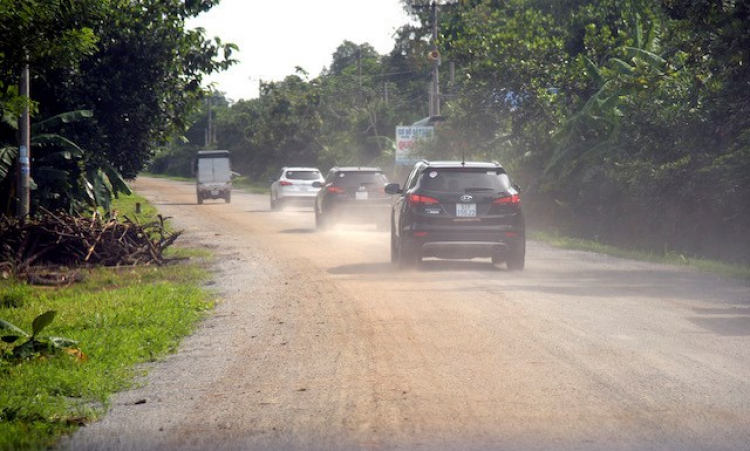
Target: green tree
{"type": "Point", "coordinates": [143, 82]}
{"type": "Point", "coordinates": [40, 33]}
{"type": "Point", "coordinates": [47, 35]}
{"type": "Point", "coordinates": [357, 124]}
{"type": "Point", "coordinates": [286, 125]}
{"type": "Point", "coordinates": [133, 64]}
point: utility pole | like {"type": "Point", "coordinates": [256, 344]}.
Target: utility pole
{"type": "Point", "coordinates": [434, 56]}
{"type": "Point", "coordinates": [435, 91]}
{"type": "Point", "coordinates": [24, 153]}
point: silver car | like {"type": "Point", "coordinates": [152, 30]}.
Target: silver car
{"type": "Point", "coordinates": [295, 186]}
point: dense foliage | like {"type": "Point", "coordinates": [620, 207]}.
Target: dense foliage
{"type": "Point", "coordinates": [132, 66]}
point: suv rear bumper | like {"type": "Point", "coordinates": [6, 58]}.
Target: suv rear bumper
{"type": "Point", "coordinates": [463, 249]}
{"type": "Point", "coordinates": [470, 245]}
{"type": "Point", "coordinates": [361, 212]}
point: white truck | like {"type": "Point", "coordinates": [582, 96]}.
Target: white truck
{"type": "Point", "coordinates": [213, 174]}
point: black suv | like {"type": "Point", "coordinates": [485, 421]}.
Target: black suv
{"type": "Point", "coordinates": [458, 210]}
{"type": "Point", "coordinates": [353, 195]}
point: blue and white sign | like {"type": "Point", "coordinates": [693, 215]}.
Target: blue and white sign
{"type": "Point", "coordinates": [407, 138]}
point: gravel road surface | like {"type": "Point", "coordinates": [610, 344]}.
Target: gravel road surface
{"type": "Point", "coordinates": [318, 343]}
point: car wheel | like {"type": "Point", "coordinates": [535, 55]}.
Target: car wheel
{"type": "Point", "coordinates": [274, 205]}
{"type": "Point", "coordinates": [228, 197]}
{"type": "Point", "coordinates": [408, 256]}
{"type": "Point", "coordinates": [200, 199]}
{"type": "Point", "coordinates": [517, 258]}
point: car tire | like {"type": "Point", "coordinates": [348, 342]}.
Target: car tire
{"type": "Point", "coordinates": [517, 258]}
{"type": "Point", "coordinates": [228, 197]}
{"type": "Point", "coordinates": [408, 256]}
{"type": "Point", "coordinates": [200, 199]}
{"type": "Point", "coordinates": [274, 204]}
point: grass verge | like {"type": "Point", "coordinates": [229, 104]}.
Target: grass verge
{"type": "Point", "coordinates": [245, 184]}
{"type": "Point", "coordinates": [120, 317]}
{"type": "Point", "coordinates": [734, 271]}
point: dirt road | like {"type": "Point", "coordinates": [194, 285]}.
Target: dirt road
{"type": "Point", "coordinates": [319, 344]}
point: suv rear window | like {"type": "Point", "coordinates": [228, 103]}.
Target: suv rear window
{"type": "Point", "coordinates": [359, 178]}
{"type": "Point", "coordinates": [303, 175]}
{"type": "Point", "coordinates": [464, 180]}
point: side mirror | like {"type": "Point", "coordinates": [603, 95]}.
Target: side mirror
{"type": "Point", "coordinates": [393, 188]}
{"type": "Point", "coordinates": [516, 187]}
{"type": "Point", "coordinates": [317, 184]}
{"type": "Point", "coordinates": [236, 174]}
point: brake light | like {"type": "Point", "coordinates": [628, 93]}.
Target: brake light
{"type": "Point", "coordinates": [335, 189]}
{"type": "Point", "coordinates": [285, 183]}
{"type": "Point", "coordinates": [509, 200]}
{"type": "Point", "coordinates": [416, 199]}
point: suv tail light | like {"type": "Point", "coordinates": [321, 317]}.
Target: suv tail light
{"type": "Point", "coordinates": [285, 183]}
{"type": "Point", "coordinates": [509, 200]}
{"type": "Point", "coordinates": [335, 189]}
{"type": "Point", "coordinates": [416, 199]}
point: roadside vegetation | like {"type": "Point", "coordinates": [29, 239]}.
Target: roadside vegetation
{"type": "Point", "coordinates": [119, 318]}
{"type": "Point", "coordinates": [719, 268]}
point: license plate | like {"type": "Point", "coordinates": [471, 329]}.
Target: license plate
{"type": "Point", "coordinates": [466, 210]}
{"type": "Point", "coordinates": [361, 195]}
{"type": "Point", "coordinates": [214, 192]}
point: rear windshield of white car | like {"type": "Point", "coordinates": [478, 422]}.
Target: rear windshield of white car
{"type": "Point", "coordinates": [464, 180]}
{"type": "Point", "coordinates": [360, 178]}
{"type": "Point", "coordinates": [303, 175]}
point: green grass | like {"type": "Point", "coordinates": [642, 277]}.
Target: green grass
{"type": "Point", "coordinates": [120, 318]}
{"type": "Point", "coordinates": [126, 206]}
{"type": "Point", "coordinates": [734, 271]}
{"type": "Point", "coordinates": [248, 185]}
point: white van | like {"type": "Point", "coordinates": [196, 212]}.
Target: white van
{"type": "Point", "coordinates": [213, 174]}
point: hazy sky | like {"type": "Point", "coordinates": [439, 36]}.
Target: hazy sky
{"type": "Point", "coordinates": [275, 36]}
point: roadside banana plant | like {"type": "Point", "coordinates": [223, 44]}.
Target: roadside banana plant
{"type": "Point", "coordinates": [34, 344]}
{"type": "Point", "coordinates": [65, 176]}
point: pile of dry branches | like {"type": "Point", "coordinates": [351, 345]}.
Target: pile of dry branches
{"type": "Point", "coordinates": [65, 240]}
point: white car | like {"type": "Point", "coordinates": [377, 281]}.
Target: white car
{"type": "Point", "coordinates": [295, 185]}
